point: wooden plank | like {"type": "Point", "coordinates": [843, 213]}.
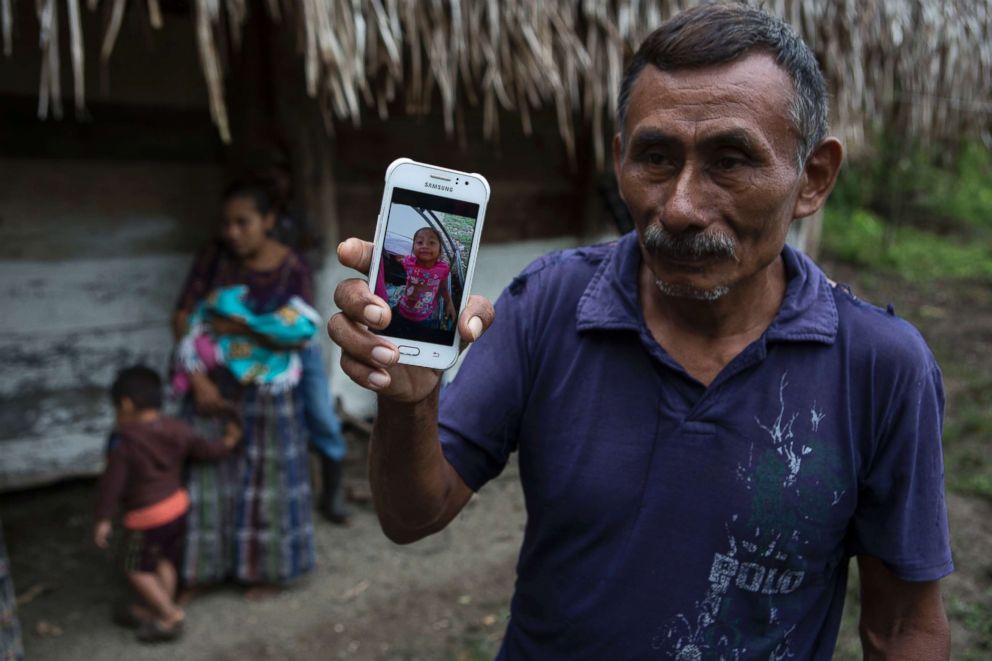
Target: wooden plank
{"type": "Point", "coordinates": [75, 324]}
{"type": "Point", "coordinates": [31, 462]}
{"type": "Point", "coordinates": [54, 299]}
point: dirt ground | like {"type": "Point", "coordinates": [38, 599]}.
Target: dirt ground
{"type": "Point", "coordinates": [446, 597]}
{"type": "Point", "coordinates": [443, 598]}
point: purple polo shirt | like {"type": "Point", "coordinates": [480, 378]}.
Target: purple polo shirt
{"type": "Point", "coordinates": [666, 519]}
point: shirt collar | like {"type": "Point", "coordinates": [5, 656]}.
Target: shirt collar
{"type": "Point", "coordinates": [611, 302]}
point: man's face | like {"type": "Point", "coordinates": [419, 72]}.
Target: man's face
{"type": "Point", "coordinates": [709, 172]}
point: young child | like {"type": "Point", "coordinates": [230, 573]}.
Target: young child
{"type": "Point", "coordinates": [426, 277]}
{"type": "Point", "coordinates": [144, 478]}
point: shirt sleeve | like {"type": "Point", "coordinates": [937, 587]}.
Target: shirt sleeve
{"type": "Point", "coordinates": [110, 490]}
{"type": "Point", "coordinates": [901, 517]}
{"type": "Point", "coordinates": [481, 409]}
{"type": "Point", "coordinates": [199, 448]}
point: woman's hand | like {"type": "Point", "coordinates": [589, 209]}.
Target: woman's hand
{"type": "Point", "coordinates": [370, 360]}
{"type": "Point", "coordinates": [232, 434]}
{"type": "Point", "coordinates": [227, 326]}
{"type": "Point", "coordinates": [206, 395]}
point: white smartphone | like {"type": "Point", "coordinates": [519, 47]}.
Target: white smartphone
{"type": "Point", "coordinates": [426, 242]}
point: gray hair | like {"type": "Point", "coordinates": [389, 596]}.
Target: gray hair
{"type": "Point", "coordinates": [717, 33]}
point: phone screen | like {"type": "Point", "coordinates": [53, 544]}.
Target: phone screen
{"type": "Point", "coordinates": [424, 263]}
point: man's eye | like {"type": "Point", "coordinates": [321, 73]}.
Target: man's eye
{"type": "Point", "coordinates": [728, 163]}
{"type": "Point", "coordinates": [656, 159]}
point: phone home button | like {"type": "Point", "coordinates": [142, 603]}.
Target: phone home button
{"type": "Point", "coordinates": [409, 351]}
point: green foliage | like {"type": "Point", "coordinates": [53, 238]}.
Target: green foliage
{"type": "Point", "coordinates": [976, 617]}
{"type": "Point", "coordinates": [965, 192]}
{"type": "Point", "coordinates": [862, 237]}
{"type": "Point", "coordinates": [461, 229]}
{"type": "Point", "coordinates": [968, 464]}
{"type": "Point", "coordinates": [904, 213]}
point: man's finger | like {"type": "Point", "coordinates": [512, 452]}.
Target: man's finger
{"type": "Point", "coordinates": [373, 378]}
{"type": "Point", "coordinates": [477, 316]}
{"type": "Point", "coordinates": [356, 254]}
{"type": "Point", "coordinates": [361, 345]}
{"type": "Point", "coordinates": [360, 305]}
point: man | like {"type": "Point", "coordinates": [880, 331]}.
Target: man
{"type": "Point", "coordinates": [708, 428]}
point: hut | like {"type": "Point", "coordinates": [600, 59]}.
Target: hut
{"type": "Point", "coordinates": [117, 133]}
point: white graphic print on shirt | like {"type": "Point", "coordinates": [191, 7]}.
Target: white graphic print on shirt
{"type": "Point", "coordinates": [763, 557]}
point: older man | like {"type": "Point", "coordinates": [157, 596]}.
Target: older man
{"type": "Point", "coordinates": [708, 428]}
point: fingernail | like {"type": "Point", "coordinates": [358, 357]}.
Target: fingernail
{"type": "Point", "coordinates": [383, 355]}
{"type": "Point", "coordinates": [475, 327]}
{"type": "Point", "coordinates": [373, 314]}
{"type": "Point", "coordinates": [379, 379]}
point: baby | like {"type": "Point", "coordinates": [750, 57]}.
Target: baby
{"type": "Point", "coordinates": [261, 349]}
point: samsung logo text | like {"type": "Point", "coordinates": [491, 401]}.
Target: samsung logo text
{"type": "Point", "coordinates": [439, 187]}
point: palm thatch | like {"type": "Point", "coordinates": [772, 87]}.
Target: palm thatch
{"type": "Point", "coordinates": [926, 65]}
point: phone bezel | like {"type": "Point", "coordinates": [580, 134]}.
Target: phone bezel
{"type": "Point", "coordinates": [411, 175]}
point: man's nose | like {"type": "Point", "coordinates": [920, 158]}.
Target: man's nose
{"type": "Point", "coordinates": [684, 208]}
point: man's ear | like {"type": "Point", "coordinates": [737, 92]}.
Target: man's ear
{"type": "Point", "coordinates": [819, 177]}
{"type": "Point", "coordinates": [617, 160]}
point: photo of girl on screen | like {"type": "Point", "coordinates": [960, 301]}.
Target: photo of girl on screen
{"type": "Point", "coordinates": [425, 257]}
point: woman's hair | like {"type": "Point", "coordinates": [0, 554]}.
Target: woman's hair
{"type": "Point", "coordinates": [271, 191]}
{"type": "Point", "coordinates": [257, 190]}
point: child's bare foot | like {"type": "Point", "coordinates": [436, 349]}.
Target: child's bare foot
{"type": "Point", "coordinates": [163, 630]}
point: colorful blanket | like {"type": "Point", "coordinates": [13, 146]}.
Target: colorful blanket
{"type": "Point", "coordinates": [266, 356]}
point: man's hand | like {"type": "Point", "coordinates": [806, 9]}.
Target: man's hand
{"type": "Point", "coordinates": [370, 360]}
{"type": "Point", "coordinates": [101, 532]}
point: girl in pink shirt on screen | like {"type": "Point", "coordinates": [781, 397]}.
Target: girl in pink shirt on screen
{"type": "Point", "coordinates": [426, 279]}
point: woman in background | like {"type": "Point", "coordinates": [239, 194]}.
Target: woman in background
{"type": "Point", "coordinates": [250, 516]}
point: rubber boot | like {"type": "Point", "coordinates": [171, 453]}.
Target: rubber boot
{"type": "Point", "coordinates": [332, 505]}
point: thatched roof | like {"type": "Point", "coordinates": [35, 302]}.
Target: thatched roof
{"type": "Point", "coordinates": [924, 64]}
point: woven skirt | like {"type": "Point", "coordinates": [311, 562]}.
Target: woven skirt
{"type": "Point", "coordinates": [250, 514]}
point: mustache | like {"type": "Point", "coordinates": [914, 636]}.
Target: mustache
{"type": "Point", "coordinates": [688, 245]}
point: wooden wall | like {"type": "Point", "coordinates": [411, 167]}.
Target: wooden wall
{"type": "Point", "coordinates": [536, 192]}
{"type": "Point", "coordinates": [99, 219]}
